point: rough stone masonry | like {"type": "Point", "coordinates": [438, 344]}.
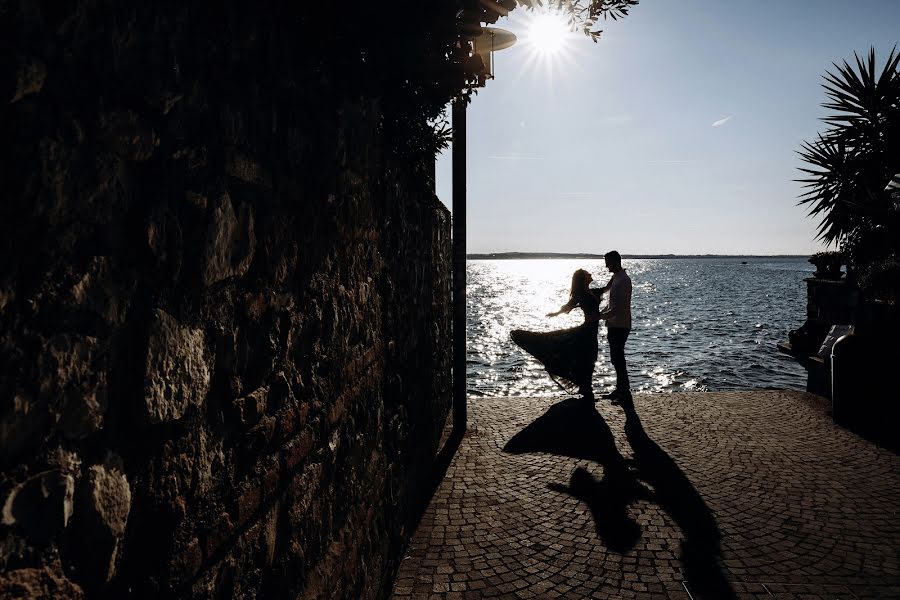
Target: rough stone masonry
{"type": "Point", "coordinates": [223, 303]}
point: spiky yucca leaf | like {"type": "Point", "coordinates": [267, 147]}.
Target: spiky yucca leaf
{"type": "Point", "coordinates": [863, 96]}
{"type": "Point", "coordinates": [851, 162]}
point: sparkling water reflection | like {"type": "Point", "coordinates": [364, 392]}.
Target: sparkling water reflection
{"type": "Point", "coordinates": [699, 323]}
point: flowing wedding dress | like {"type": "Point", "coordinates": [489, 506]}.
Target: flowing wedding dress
{"type": "Point", "coordinates": [567, 354]}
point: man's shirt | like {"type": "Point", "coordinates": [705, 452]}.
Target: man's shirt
{"type": "Point", "coordinates": [618, 312]}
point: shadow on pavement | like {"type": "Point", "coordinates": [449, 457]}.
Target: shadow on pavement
{"type": "Point", "coordinates": [675, 494]}
{"type": "Point", "coordinates": [608, 501]}
{"type": "Point", "coordinates": [574, 428]}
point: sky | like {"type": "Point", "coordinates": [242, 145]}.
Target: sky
{"type": "Point", "coordinates": [676, 133]}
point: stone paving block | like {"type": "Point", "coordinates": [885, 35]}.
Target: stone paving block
{"type": "Point", "coordinates": [872, 592]}
{"type": "Point", "coordinates": [738, 494]}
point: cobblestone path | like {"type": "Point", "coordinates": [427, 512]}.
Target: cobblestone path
{"type": "Point", "coordinates": [705, 495]}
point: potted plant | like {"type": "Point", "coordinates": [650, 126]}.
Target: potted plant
{"type": "Point", "coordinates": [828, 264]}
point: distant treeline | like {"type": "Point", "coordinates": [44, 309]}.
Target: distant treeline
{"type": "Point", "coordinates": [519, 255]}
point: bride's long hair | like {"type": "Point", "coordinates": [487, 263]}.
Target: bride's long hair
{"type": "Point", "coordinates": [579, 283]}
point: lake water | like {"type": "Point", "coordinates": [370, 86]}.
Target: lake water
{"type": "Point", "coordinates": [699, 324]}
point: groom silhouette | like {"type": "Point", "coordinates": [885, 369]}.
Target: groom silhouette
{"type": "Point", "coordinates": [618, 322]}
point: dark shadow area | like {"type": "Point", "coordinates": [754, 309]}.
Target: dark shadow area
{"type": "Point", "coordinates": [442, 462]}
{"type": "Point", "coordinates": [574, 428]}
{"type": "Point", "coordinates": [421, 498]}
{"type": "Point", "coordinates": [419, 503]}
{"type": "Point", "coordinates": [861, 398]}
{"type": "Point", "coordinates": [880, 433]}
{"type": "Point", "coordinates": [571, 427]}
{"type": "Point", "coordinates": [608, 501]}
{"type": "Point", "coordinates": [674, 493]}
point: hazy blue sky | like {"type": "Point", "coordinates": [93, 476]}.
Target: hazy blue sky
{"type": "Point", "coordinates": [676, 133]}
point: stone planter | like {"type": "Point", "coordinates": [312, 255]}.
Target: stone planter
{"type": "Point", "coordinates": [828, 264]}
{"type": "Point", "coordinates": [828, 271]}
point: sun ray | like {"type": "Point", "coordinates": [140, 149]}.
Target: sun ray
{"type": "Point", "coordinates": [549, 45]}
{"type": "Point", "coordinates": [547, 33]}
{"type": "Point", "coordinates": [557, 62]}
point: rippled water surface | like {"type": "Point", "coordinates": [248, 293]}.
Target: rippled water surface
{"type": "Point", "coordinates": [698, 323]}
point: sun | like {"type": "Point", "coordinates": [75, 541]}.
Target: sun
{"type": "Point", "coordinates": [550, 47]}
{"type": "Point", "coordinates": [547, 33]}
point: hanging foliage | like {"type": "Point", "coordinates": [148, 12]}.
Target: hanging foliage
{"type": "Point", "coordinates": [412, 56]}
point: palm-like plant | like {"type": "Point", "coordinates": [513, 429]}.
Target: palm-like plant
{"type": "Point", "coordinates": [852, 161]}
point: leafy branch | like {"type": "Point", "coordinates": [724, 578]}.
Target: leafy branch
{"type": "Point", "coordinates": [584, 15]}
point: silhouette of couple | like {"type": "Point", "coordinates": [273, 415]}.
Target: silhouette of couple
{"type": "Point", "coordinates": [569, 354]}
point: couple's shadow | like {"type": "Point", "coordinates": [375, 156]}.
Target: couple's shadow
{"type": "Point", "coordinates": [575, 429]}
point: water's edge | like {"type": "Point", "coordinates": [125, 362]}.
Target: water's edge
{"type": "Point", "coordinates": [700, 324]}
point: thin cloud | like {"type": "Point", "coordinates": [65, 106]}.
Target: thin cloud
{"type": "Point", "coordinates": [670, 162]}
{"type": "Point", "coordinates": [515, 157]}
{"type": "Point", "coordinates": [723, 121]}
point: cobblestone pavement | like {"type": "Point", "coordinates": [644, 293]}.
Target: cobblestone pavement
{"type": "Point", "coordinates": [705, 495]}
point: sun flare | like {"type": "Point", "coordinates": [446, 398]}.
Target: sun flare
{"type": "Point", "coordinates": [547, 33]}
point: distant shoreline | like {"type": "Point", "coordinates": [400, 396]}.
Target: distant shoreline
{"type": "Point", "coordinates": [567, 255]}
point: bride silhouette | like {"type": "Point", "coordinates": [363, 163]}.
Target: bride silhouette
{"type": "Point", "coordinates": [569, 354]}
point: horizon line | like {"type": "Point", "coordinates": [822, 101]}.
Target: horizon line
{"type": "Point", "coordinates": [488, 255]}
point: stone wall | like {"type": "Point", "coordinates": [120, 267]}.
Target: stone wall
{"type": "Point", "coordinates": [224, 306]}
